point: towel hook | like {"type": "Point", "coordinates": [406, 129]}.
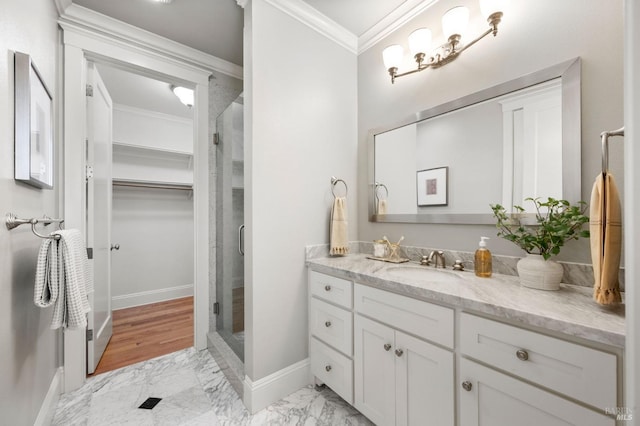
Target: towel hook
{"type": "Point", "coordinates": [334, 182]}
{"type": "Point", "coordinates": [605, 147]}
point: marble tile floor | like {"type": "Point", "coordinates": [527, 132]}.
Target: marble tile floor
{"type": "Point", "coordinates": [194, 392]}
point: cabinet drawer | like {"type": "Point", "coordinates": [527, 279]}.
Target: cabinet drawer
{"type": "Point", "coordinates": [425, 320]}
{"type": "Point", "coordinates": [583, 373]}
{"type": "Point", "coordinates": [332, 368]}
{"type": "Point", "coordinates": [332, 289]}
{"type": "Point", "coordinates": [332, 325]}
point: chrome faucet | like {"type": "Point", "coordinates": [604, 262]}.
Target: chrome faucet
{"type": "Point", "coordinates": [434, 256]}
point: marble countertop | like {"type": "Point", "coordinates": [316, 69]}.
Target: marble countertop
{"type": "Point", "coordinates": [570, 310]}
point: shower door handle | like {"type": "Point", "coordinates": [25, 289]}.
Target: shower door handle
{"type": "Point", "coordinates": [241, 240]}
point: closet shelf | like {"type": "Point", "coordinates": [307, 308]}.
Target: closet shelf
{"type": "Point", "coordinates": [152, 184]}
{"type": "Point", "coordinates": [146, 151]}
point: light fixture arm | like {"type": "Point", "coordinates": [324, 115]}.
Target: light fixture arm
{"type": "Point", "coordinates": [450, 50]}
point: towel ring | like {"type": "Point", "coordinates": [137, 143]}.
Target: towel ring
{"type": "Point", "coordinates": [334, 182]}
{"type": "Point", "coordinates": [377, 193]}
{"type": "Point", "coordinates": [605, 147]}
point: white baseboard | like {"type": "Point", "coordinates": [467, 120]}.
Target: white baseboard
{"type": "Point", "coordinates": [266, 391]}
{"type": "Point", "coordinates": [48, 407]}
{"type": "Point", "coordinates": [152, 296]}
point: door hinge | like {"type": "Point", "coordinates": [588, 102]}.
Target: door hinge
{"type": "Point", "coordinates": [89, 90]}
{"type": "Point", "coordinates": [89, 172]}
{"type": "Point", "coordinates": [89, 335]}
{"type": "Point", "coordinates": [216, 138]}
{"type": "Point", "coordinates": [89, 253]}
{"type": "Point", "coordinates": [216, 308]}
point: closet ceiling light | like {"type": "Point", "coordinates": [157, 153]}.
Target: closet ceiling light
{"type": "Point", "coordinates": [185, 95]}
{"type": "Point", "coordinates": [453, 24]}
{"type": "Point", "coordinates": [163, 1]}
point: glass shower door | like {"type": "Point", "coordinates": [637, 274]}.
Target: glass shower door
{"type": "Point", "coordinates": [230, 227]}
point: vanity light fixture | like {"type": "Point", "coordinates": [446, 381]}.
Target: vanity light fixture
{"type": "Point", "coordinates": [453, 24]}
{"type": "Point", "coordinates": [185, 95]}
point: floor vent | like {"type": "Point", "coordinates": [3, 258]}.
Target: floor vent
{"type": "Point", "coordinates": [150, 403]}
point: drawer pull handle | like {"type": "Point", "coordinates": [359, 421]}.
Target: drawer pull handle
{"type": "Point", "coordinates": [327, 324]}
{"type": "Point", "coordinates": [327, 288]}
{"type": "Point", "coordinates": [328, 368]}
{"type": "Point", "coordinates": [387, 347]}
{"type": "Point", "coordinates": [522, 355]}
{"type": "Point", "coordinates": [467, 385]}
{"type": "Point", "coordinates": [399, 352]}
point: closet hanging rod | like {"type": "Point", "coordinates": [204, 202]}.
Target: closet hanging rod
{"type": "Point", "coordinates": [154, 185]}
{"type": "Point", "coordinates": [12, 221]}
{"type": "Point", "coordinates": [605, 147]}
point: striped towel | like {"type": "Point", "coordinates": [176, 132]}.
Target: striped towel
{"type": "Point", "coordinates": [63, 280]}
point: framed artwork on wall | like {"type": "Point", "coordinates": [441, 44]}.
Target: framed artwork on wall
{"type": "Point", "coordinates": [33, 125]}
{"type": "Point", "coordinates": [432, 187]}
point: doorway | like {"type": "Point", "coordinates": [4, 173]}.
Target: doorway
{"type": "Point", "coordinates": [151, 210]}
{"type": "Point", "coordinates": [80, 45]}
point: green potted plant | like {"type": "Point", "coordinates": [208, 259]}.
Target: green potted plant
{"type": "Point", "coordinates": [557, 221]}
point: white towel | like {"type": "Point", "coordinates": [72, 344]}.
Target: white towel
{"type": "Point", "coordinates": [63, 279]}
{"type": "Point", "coordinates": [339, 237]}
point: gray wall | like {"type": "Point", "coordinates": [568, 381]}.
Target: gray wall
{"type": "Point", "coordinates": [300, 106]}
{"type": "Point", "coordinates": [29, 350]}
{"type": "Point", "coordinates": [533, 35]}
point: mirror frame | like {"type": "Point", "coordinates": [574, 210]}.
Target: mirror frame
{"type": "Point", "coordinates": [569, 72]}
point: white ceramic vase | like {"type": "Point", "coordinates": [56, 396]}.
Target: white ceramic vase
{"type": "Point", "coordinates": [535, 272]}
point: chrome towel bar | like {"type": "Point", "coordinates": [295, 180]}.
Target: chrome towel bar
{"type": "Point", "coordinates": [334, 182]}
{"type": "Point", "coordinates": [12, 221]}
{"type": "Point", "coordinates": [605, 147]}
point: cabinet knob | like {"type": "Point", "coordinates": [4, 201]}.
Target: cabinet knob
{"type": "Point", "coordinates": [328, 368]}
{"type": "Point", "coordinates": [399, 352]}
{"type": "Point", "coordinates": [327, 287]}
{"type": "Point", "coordinates": [467, 385]}
{"type": "Point", "coordinates": [387, 347]}
{"type": "Point", "coordinates": [327, 324]}
{"type": "Point", "coordinates": [522, 355]}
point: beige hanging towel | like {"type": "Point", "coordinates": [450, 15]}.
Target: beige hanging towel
{"type": "Point", "coordinates": [339, 244]}
{"type": "Point", "coordinates": [606, 239]}
{"type": "Point", "coordinates": [382, 206]}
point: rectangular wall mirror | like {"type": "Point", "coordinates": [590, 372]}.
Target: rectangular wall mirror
{"type": "Point", "coordinates": [501, 145]}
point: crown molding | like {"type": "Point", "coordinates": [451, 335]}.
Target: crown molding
{"type": "Point", "coordinates": [242, 3]}
{"type": "Point", "coordinates": [62, 5]}
{"type": "Point", "coordinates": [105, 26]}
{"type": "Point", "coordinates": [311, 17]}
{"type": "Point", "coordinates": [390, 23]}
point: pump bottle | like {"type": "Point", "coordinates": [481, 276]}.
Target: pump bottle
{"type": "Point", "coordinates": [483, 259]}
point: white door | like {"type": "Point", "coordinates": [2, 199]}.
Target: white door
{"type": "Point", "coordinates": [374, 370]}
{"type": "Point", "coordinates": [424, 383]}
{"type": "Point", "coordinates": [488, 397]}
{"type": "Point", "coordinates": [99, 129]}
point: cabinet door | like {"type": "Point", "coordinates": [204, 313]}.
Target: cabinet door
{"type": "Point", "coordinates": [496, 399]}
{"type": "Point", "coordinates": [424, 383]}
{"type": "Point", "coordinates": [374, 371]}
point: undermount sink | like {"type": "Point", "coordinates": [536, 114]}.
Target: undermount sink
{"type": "Point", "coordinates": [424, 273]}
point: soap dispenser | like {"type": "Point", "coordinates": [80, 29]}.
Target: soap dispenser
{"type": "Point", "coordinates": [483, 259]}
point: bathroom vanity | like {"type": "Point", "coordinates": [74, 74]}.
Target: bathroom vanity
{"type": "Point", "coordinates": [412, 345]}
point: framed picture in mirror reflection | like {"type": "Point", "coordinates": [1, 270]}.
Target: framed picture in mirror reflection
{"type": "Point", "coordinates": [432, 187]}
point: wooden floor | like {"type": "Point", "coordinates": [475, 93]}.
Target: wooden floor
{"type": "Point", "coordinates": [148, 331]}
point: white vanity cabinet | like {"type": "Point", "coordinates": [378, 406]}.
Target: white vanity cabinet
{"type": "Point", "coordinates": [543, 366]}
{"type": "Point", "coordinates": [400, 379]}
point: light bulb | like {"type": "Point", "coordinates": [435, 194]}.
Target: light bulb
{"type": "Point", "coordinates": [185, 95]}
{"type": "Point", "coordinates": [455, 21]}
{"type": "Point", "coordinates": [392, 56]}
{"type": "Point", "coordinates": [420, 41]}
